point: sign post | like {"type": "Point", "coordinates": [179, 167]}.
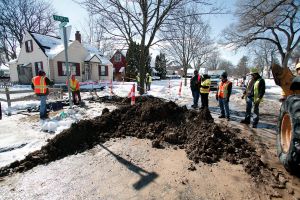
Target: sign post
{"type": "Point", "coordinates": [64, 21]}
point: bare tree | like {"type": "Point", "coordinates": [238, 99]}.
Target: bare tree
{"type": "Point", "coordinates": [226, 65]}
{"type": "Point", "coordinates": [263, 52]}
{"type": "Point", "coordinates": [136, 20]}
{"type": "Point", "coordinates": [213, 61]}
{"type": "Point", "coordinates": [186, 37]}
{"type": "Point", "coordinates": [17, 16]}
{"type": "Point", "coordinates": [276, 21]}
{"type": "Point", "coordinates": [95, 34]}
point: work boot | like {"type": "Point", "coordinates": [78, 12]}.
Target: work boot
{"type": "Point", "coordinates": [244, 121]}
{"type": "Point", "coordinates": [228, 118]}
{"type": "Point", "coordinates": [222, 116]}
{"type": "Point", "coordinates": [254, 125]}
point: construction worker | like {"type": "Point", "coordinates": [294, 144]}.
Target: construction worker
{"type": "Point", "coordinates": [194, 84]}
{"type": "Point", "coordinates": [138, 81]}
{"type": "Point", "coordinates": [40, 85]}
{"type": "Point", "coordinates": [148, 81]}
{"type": "Point", "coordinates": [254, 94]}
{"type": "Point", "coordinates": [223, 95]}
{"type": "Point", "coordinates": [75, 89]}
{"type": "Point", "coordinates": [204, 90]}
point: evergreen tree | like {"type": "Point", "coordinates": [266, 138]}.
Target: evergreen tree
{"type": "Point", "coordinates": [132, 59]}
{"type": "Point", "coordinates": [161, 65]}
{"type": "Point", "coordinates": [242, 67]}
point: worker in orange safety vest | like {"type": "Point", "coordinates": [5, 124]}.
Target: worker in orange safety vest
{"type": "Point", "coordinates": [75, 89]}
{"type": "Point", "coordinates": [223, 95]}
{"type": "Point", "coordinates": [40, 85]}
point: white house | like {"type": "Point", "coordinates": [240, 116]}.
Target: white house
{"type": "Point", "coordinates": [47, 53]}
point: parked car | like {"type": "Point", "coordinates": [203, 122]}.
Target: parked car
{"type": "Point", "coordinates": [215, 79]}
{"type": "Point", "coordinates": [155, 78]}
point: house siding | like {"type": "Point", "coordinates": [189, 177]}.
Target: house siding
{"type": "Point", "coordinates": [37, 55]}
{"type": "Point", "coordinates": [76, 54]}
{"type": "Point", "coordinates": [117, 65]}
{"type": "Point", "coordinates": [13, 72]}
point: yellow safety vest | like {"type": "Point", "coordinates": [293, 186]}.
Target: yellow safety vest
{"type": "Point", "coordinates": [205, 83]}
{"type": "Point", "coordinates": [256, 91]}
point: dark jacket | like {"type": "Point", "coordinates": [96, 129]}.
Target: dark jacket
{"type": "Point", "coordinates": [195, 83]}
{"type": "Point", "coordinates": [261, 88]}
{"type": "Point", "coordinates": [48, 82]}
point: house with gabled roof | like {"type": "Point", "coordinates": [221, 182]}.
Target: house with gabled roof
{"type": "Point", "coordinates": [47, 52]}
{"type": "Point", "coordinates": [119, 64]}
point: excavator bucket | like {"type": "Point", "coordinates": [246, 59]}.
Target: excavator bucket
{"type": "Point", "coordinates": [283, 77]}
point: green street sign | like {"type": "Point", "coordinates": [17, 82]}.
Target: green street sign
{"type": "Point", "coordinates": [60, 18]}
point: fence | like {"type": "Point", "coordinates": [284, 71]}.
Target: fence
{"type": "Point", "coordinates": [7, 92]}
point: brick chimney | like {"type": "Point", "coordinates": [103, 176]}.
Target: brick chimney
{"type": "Point", "coordinates": [78, 36]}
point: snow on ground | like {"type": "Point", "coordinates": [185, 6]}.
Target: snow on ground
{"type": "Point", "coordinates": [23, 132]}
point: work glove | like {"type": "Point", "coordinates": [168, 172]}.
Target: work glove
{"type": "Point", "coordinates": [227, 99]}
{"type": "Point", "coordinates": [217, 98]}
{"type": "Point", "coordinates": [243, 96]}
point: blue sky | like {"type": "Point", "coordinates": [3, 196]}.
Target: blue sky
{"type": "Point", "coordinates": [78, 18]}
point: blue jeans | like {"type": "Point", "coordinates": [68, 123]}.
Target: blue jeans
{"type": "Point", "coordinates": [196, 95]}
{"type": "Point", "coordinates": [249, 103]}
{"type": "Point", "coordinates": [224, 107]}
{"type": "Point", "coordinates": [43, 108]}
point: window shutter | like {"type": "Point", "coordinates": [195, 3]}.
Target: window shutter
{"type": "Point", "coordinates": [42, 66]}
{"type": "Point", "coordinates": [26, 46]}
{"type": "Point", "coordinates": [36, 68]}
{"type": "Point", "coordinates": [106, 70]}
{"type": "Point", "coordinates": [99, 70]}
{"type": "Point", "coordinates": [31, 44]}
{"type": "Point", "coordinates": [77, 69]}
{"type": "Point", "coordinates": [59, 67]}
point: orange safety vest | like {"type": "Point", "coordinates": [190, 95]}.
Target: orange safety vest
{"type": "Point", "coordinates": [223, 89]}
{"type": "Point", "coordinates": [74, 85]}
{"type": "Point", "coordinates": [40, 86]}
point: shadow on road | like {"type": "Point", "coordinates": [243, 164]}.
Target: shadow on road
{"type": "Point", "coordinates": [145, 176]}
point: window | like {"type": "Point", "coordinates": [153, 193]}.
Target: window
{"type": "Point", "coordinates": [117, 57]}
{"type": "Point", "coordinates": [38, 66]}
{"type": "Point", "coordinates": [62, 69]}
{"type": "Point", "coordinates": [103, 70]}
{"type": "Point", "coordinates": [28, 46]}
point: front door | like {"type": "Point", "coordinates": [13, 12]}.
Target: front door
{"type": "Point", "coordinates": [87, 71]}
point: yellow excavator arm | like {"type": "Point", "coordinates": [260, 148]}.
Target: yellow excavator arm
{"type": "Point", "coordinates": [283, 77]}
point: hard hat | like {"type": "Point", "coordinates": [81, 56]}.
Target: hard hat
{"type": "Point", "coordinates": [41, 72]}
{"type": "Point", "coordinates": [224, 75]}
{"type": "Point", "coordinates": [147, 74]}
{"type": "Point", "coordinates": [298, 66]}
{"type": "Point", "coordinates": [253, 70]}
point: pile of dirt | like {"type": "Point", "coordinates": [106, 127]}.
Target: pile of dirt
{"type": "Point", "coordinates": [154, 119]}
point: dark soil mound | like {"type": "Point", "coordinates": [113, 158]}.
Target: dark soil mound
{"type": "Point", "coordinates": [154, 119]}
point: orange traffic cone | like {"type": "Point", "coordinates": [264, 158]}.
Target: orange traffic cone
{"type": "Point", "coordinates": [133, 95]}
{"type": "Point", "coordinates": [180, 87]}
